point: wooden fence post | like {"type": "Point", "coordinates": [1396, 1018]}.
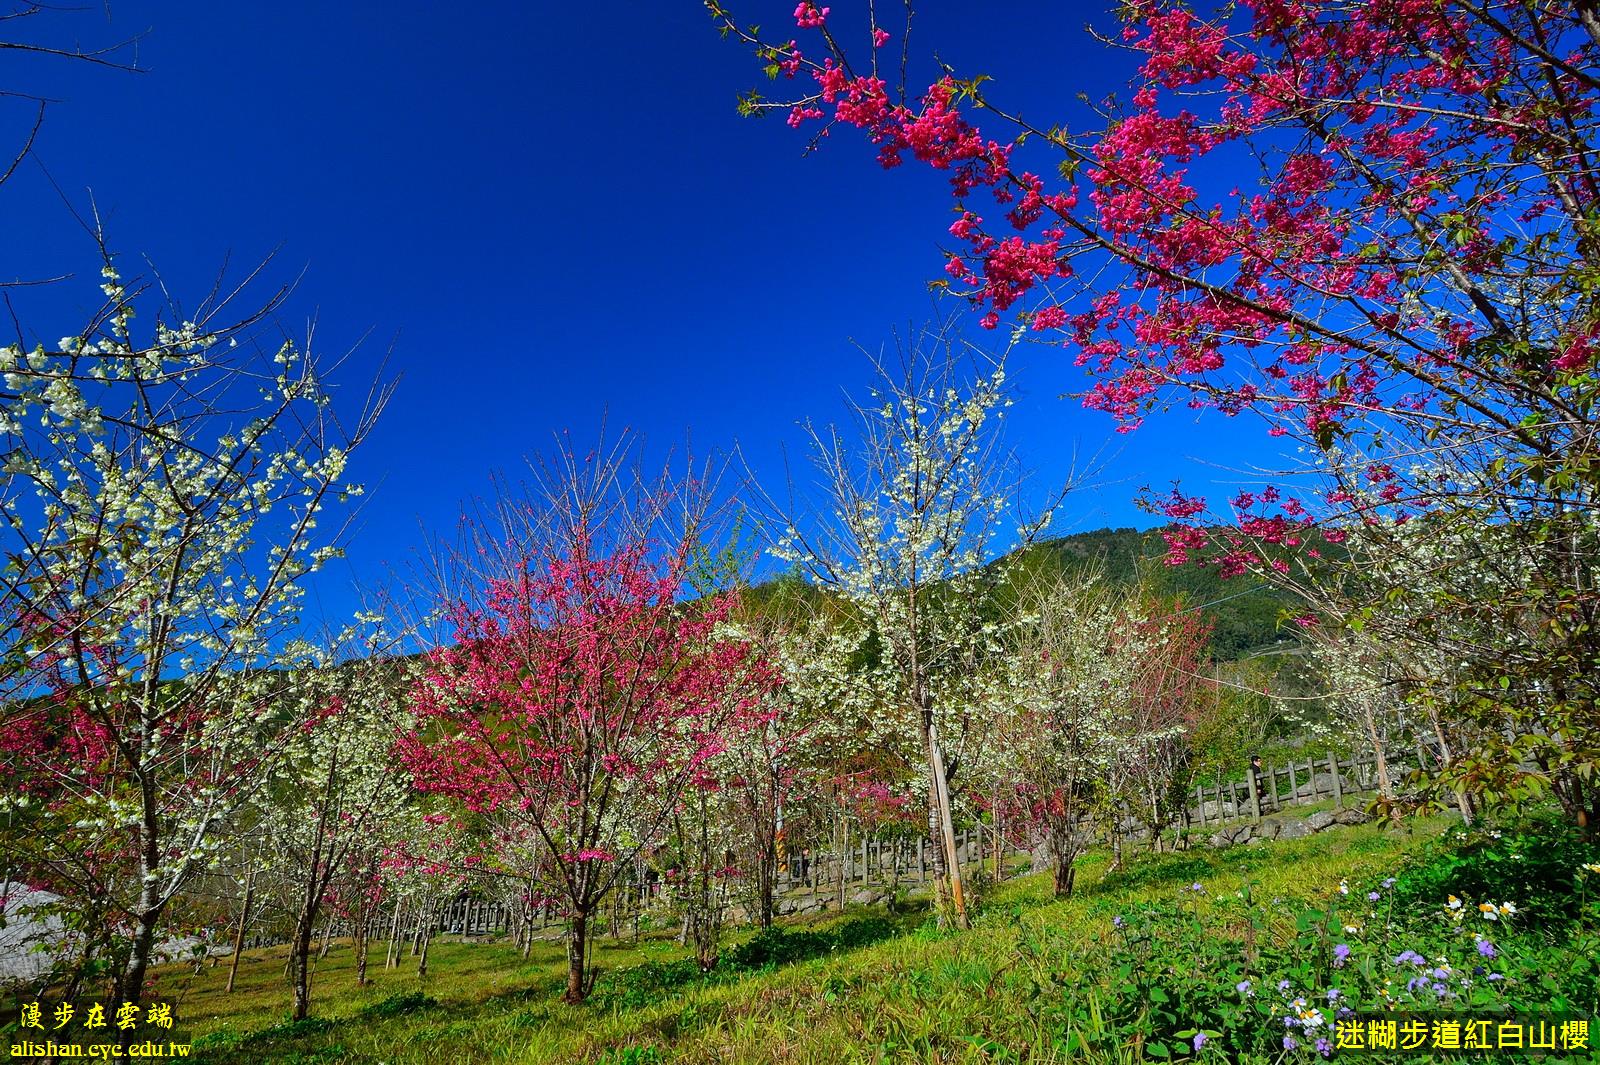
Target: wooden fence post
{"type": "Point", "coordinates": [1272, 782]}
{"type": "Point", "coordinates": [1255, 794]}
{"type": "Point", "coordinates": [1294, 785]}
{"type": "Point", "coordinates": [1338, 785]}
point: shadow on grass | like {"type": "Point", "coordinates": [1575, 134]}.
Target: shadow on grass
{"type": "Point", "coordinates": [646, 984]}
{"type": "Point", "coordinates": [632, 987]}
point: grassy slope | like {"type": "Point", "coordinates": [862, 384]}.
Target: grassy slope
{"type": "Point", "coordinates": [923, 997]}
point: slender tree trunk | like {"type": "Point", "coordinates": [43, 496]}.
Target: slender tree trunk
{"type": "Point", "coordinates": [361, 945]}
{"type": "Point", "coordinates": [941, 792]}
{"type": "Point", "coordinates": [147, 917]}
{"type": "Point", "coordinates": [999, 846]}
{"type": "Point", "coordinates": [1381, 761]}
{"type": "Point", "coordinates": [327, 939]}
{"type": "Point", "coordinates": [1463, 801]}
{"type": "Point", "coordinates": [426, 937]}
{"type": "Point", "coordinates": [244, 921]}
{"type": "Point", "coordinates": [391, 951]}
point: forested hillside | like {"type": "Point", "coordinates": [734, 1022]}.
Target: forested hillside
{"type": "Point", "coordinates": [1244, 612]}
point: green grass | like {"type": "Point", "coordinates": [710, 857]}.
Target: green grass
{"type": "Point", "coordinates": [926, 996]}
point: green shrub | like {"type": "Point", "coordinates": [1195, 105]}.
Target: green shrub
{"type": "Point", "coordinates": [640, 985]}
{"type": "Point", "coordinates": [1537, 861]}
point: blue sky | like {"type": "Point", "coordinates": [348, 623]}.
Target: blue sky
{"type": "Point", "coordinates": [553, 216]}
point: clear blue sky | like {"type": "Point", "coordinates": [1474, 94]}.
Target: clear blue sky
{"type": "Point", "coordinates": [554, 214]}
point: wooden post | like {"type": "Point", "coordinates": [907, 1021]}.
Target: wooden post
{"type": "Point", "coordinates": [844, 861]}
{"type": "Point", "coordinates": [1233, 797]}
{"type": "Point", "coordinates": [244, 919]}
{"type": "Point", "coordinates": [1294, 785]}
{"type": "Point", "coordinates": [922, 861]}
{"type": "Point", "coordinates": [1272, 782]}
{"type": "Point", "coordinates": [1200, 803]}
{"type": "Point", "coordinates": [1255, 794]}
{"type": "Point", "coordinates": [1338, 785]}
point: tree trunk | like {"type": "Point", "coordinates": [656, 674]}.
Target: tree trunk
{"type": "Point", "coordinates": [300, 961]}
{"type": "Point", "coordinates": [327, 939]}
{"type": "Point", "coordinates": [131, 987]}
{"type": "Point", "coordinates": [578, 959]}
{"type": "Point", "coordinates": [1064, 877]}
{"type": "Point", "coordinates": [244, 921]}
{"type": "Point", "coordinates": [766, 881]}
{"type": "Point", "coordinates": [391, 953]}
{"type": "Point", "coordinates": [426, 937]}
{"type": "Point", "coordinates": [361, 946]}
{"type": "Point", "coordinates": [1385, 782]}
{"type": "Point", "coordinates": [947, 829]}
{"type": "Point", "coordinates": [1463, 800]}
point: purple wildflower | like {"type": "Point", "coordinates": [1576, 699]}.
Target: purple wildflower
{"type": "Point", "coordinates": [1289, 1043]}
{"type": "Point", "coordinates": [1486, 948]}
{"type": "Point", "coordinates": [1341, 954]}
{"type": "Point", "coordinates": [1324, 1048]}
{"type": "Point", "coordinates": [1199, 1041]}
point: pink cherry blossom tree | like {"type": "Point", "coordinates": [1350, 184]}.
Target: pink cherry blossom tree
{"type": "Point", "coordinates": [581, 697]}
